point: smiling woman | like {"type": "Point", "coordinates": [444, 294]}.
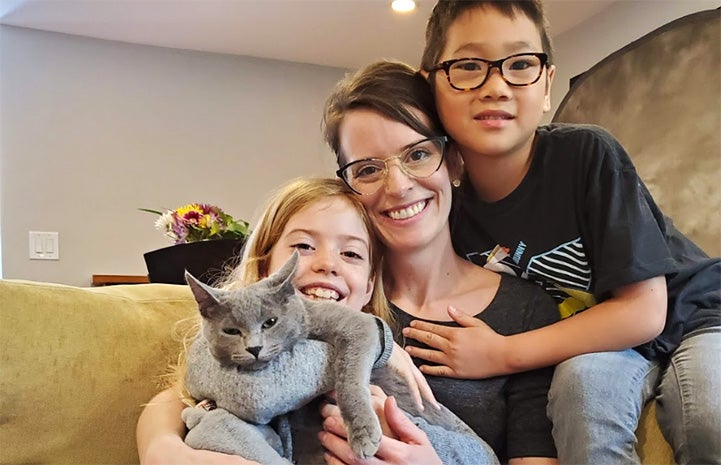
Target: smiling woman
{"type": "Point", "coordinates": [378, 119]}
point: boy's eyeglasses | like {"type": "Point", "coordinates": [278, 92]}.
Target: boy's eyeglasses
{"type": "Point", "coordinates": [419, 160]}
{"type": "Point", "coordinates": [521, 69]}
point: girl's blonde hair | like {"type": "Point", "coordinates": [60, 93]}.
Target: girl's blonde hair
{"type": "Point", "coordinates": [255, 259]}
{"type": "Point", "coordinates": [280, 208]}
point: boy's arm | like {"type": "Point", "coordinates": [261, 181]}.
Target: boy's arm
{"type": "Point", "coordinates": [634, 315]}
{"type": "Point", "coordinates": [160, 433]}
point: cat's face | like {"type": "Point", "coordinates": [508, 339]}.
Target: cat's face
{"type": "Point", "coordinates": [250, 326]}
{"type": "Point", "coordinates": [334, 249]}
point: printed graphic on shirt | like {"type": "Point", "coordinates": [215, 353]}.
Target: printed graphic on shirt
{"type": "Point", "coordinates": [564, 272]}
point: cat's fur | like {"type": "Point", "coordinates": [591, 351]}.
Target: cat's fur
{"type": "Point", "coordinates": [247, 328]}
{"type": "Point", "coordinates": [264, 351]}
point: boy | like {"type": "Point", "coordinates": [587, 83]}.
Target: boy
{"type": "Point", "coordinates": [563, 206]}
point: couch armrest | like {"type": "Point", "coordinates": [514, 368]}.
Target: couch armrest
{"type": "Point", "coordinates": [78, 364]}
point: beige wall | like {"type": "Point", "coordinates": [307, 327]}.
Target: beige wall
{"type": "Point", "coordinates": [92, 130]}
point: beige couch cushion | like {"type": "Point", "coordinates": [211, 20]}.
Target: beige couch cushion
{"type": "Point", "coordinates": [77, 365]}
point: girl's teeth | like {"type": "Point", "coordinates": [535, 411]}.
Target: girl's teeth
{"type": "Point", "coordinates": [407, 212]}
{"type": "Point", "coordinates": [321, 293]}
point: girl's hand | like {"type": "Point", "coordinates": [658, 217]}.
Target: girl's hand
{"type": "Point", "coordinates": [170, 449]}
{"type": "Point", "coordinates": [402, 364]}
{"type": "Point", "coordinates": [471, 352]}
{"type": "Point", "coordinates": [411, 448]}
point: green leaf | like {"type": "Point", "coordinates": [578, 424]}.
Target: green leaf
{"type": "Point", "coordinates": [150, 211]}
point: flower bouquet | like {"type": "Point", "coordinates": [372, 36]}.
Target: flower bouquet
{"type": "Point", "coordinates": [206, 242]}
{"type": "Point", "coordinates": [199, 222]}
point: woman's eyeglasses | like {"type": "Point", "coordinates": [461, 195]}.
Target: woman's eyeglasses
{"type": "Point", "coordinates": [420, 160]}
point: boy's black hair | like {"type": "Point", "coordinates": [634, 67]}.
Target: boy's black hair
{"type": "Point", "coordinates": [447, 11]}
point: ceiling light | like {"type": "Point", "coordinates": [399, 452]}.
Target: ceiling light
{"type": "Point", "coordinates": [403, 6]}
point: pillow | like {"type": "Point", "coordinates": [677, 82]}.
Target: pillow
{"type": "Point", "coordinates": [79, 363]}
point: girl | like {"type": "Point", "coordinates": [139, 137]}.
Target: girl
{"type": "Point", "coordinates": [338, 260]}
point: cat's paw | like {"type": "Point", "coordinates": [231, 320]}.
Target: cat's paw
{"type": "Point", "coordinates": [364, 436]}
{"type": "Point", "coordinates": [192, 416]}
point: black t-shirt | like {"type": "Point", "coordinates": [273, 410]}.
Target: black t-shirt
{"type": "Point", "coordinates": [582, 224]}
{"type": "Point", "coordinates": [508, 412]}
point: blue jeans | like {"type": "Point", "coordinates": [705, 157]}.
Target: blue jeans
{"type": "Point", "coordinates": [595, 402]}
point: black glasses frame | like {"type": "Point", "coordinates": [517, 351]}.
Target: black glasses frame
{"type": "Point", "coordinates": [443, 140]}
{"type": "Point", "coordinates": [446, 66]}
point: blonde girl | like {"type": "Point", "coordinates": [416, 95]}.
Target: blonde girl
{"type": "Point", "coordinates": [339, 256]}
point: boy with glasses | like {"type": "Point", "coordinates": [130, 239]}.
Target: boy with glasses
{"type": "Point", "coordinates": [563, 206]}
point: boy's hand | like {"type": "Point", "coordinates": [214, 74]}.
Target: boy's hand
{"type": "Point", "coordinates": [471, 352]}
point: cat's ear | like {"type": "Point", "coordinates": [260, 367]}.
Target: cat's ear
{"type": "Point", "coordinates": [285, 274]}
{"type": "Point", "coordinates": [204, 294]}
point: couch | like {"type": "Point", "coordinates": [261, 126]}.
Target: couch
{"type": "Point", "coordinates": [78, 364]}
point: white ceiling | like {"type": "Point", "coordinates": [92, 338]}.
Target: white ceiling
{"type": "Point", "coordinates": [340, 33]}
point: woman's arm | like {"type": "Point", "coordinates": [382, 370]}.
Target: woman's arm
{"type": "Point", "coordinates": [160, 433]}
{"type": "Point", "coordinates": [634, 315]}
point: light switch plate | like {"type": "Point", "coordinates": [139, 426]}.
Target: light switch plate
{"type": "Point", "coordinates": [44, 245]}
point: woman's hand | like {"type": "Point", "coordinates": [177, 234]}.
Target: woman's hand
{"type": "Point", "coordinates": [411, 447]}
{"type": "Point", "coordinates": [471, 352]}
{"type": "Point", "coordinates": [378, 399]}
{"type": "Point", "coordinates": [170, 449]}
{"type": "Point", "coordinates": [402, 364]}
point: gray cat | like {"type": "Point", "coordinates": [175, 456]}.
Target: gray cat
{"type": "Point", "coordinates": [264, 351]}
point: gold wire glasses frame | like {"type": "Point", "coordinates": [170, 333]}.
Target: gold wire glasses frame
{"type": "Point", "coordinates": [418, 160]}
{"type": "Point", "coordinates": [521, 69]}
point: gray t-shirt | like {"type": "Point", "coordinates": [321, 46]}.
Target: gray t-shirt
{"type": "Point", "coordinates": [508, 412]}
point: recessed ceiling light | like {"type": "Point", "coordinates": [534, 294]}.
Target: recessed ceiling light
{"type": "Point", "coordinates": [403, 6]}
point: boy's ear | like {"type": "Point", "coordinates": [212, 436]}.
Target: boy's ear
{"type": "Point", "coordinates": [549, 81]}
{"type": "Point", "coordinates": [423, 73]}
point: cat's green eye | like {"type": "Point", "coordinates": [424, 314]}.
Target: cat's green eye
{"type": "Point", "coordinates": [270, 322]}
{"type": "Point", "coordinates": [231, 331]}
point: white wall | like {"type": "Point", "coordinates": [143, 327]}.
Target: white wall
{"type": "Point", "coordinates": [578, 49]}
{"type": "Point", "coordinates": [92, 130]}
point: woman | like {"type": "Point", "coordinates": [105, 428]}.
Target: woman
{"type": "Point", "coordinates": [392, 152]}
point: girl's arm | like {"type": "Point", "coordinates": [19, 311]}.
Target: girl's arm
{"type": "Point", "coordinates": [160, 433]}
{"type": "Point", "coordinates": [402, 364]}
{"type": "Point", "coordinates": [634, 315]}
